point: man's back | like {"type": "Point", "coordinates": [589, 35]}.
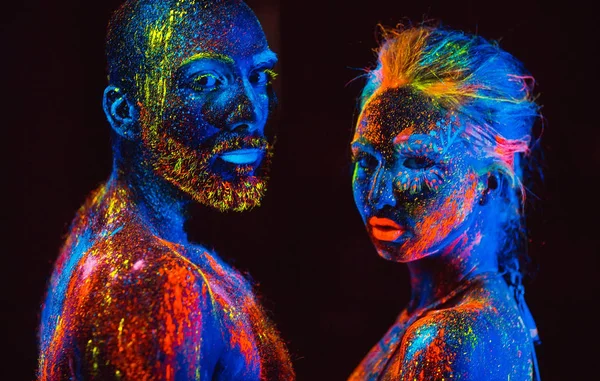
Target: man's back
{"type": "Point", "coordinates": [126, 304]}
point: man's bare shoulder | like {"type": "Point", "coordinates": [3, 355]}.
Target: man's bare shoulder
{"type": "Point", "coordinates": [131, 265]}
{"type": "Point", "coordinates": [135, 305]}
{"type": "Point", "coordinates": [139, 263]}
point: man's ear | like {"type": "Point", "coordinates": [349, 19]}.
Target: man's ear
{"type": "Point", "coordinates": [120, 112]}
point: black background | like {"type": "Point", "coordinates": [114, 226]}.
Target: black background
{"type": "Point", "coordinates": [330, 294]}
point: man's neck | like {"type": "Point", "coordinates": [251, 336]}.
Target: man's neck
{"type": "Point", "coordinates": [157, 203]}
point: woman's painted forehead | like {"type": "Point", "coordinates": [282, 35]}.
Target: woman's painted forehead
{"type": "Point", "coordinates": [393, 113]}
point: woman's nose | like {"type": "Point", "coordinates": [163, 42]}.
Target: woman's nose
{"type": "Point", "coordinates": [381, 193]}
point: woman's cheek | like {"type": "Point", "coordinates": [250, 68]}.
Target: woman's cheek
{"type": "Point", "coordinates": [441, 218]}
{"type": "Point", "coordinates": [360, 191]}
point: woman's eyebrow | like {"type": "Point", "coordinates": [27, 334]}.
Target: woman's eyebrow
{"type": "Point", "coordinates": [357, 144]}
{"type": "Point", "coordinates": [413, 139]}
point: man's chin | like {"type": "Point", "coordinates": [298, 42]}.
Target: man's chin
{"type": "Point", "coordinates": [237, 195]}
{"type": "Point", "coordinates": [214, 182]}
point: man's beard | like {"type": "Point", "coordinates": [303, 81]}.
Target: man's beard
{"type": "Point", "coordinates": [209, 180]}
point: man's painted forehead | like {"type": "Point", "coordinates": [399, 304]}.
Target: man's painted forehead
{"type": "Point", "coordinates": [228, 28]}
{"type": "Point", "coordinates": [397, 110]}
{"type": "Point", "coordinates": [188, 28]}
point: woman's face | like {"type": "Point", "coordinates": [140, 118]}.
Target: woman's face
{"type": "Point", "coordinates": [414, 179]}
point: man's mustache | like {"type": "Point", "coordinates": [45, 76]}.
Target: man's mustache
{"type": "Point", "coordinates": [230, 142]}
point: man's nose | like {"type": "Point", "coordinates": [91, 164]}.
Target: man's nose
{"type": "Point", "coordinates": [381, 193]}
{"type": "Point", "coordinates": [244, 115]}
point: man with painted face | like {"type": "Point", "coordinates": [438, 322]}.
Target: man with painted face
{"type": "Point", "coordinates": [130, 297]}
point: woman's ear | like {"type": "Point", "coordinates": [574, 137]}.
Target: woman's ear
{"type": "Point", "coordinates": [120, 112]}
{"type": "Point", "coordinates": [492, 184]}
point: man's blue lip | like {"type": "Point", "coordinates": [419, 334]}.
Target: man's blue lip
{"type": "Point", "coordinates": [242, 156]}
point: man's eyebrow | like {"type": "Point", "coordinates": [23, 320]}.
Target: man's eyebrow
{"type": "Point", "coordinates": [265, 58]}
{"type": "Point", "coordinates": [207, 55]}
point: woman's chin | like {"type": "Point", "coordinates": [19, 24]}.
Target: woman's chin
{"type": "Point", "coordinates": [398, 252]}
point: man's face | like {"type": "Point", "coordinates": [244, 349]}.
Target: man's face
{"type": "Point", "coordinates": [204, 104]}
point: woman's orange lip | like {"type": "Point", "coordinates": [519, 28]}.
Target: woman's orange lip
{"type": "Point", "coordinates": [383, 222]}
{"type": "Point", "coordinates": [385, 229]}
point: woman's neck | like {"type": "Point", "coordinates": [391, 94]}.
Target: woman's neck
{"type": "Point", "coordinates": [436, 276]}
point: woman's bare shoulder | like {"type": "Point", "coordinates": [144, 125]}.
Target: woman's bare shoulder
{"type": "Point", "coordinates": [466, 341]}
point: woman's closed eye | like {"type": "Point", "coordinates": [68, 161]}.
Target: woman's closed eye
{"type": "Point", "coordinates": [418, 162]}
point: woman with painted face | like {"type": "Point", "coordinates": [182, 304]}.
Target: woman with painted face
{"type": "Point", "coordinates": [444, 131]}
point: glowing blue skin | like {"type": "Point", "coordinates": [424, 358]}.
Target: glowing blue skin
{"type": "Point", "coordinates": [233, 100]}
{"type": "Point", "coordinates": [447, 237]}
{"type": "Point", "coordinates": [412, 162]}
{"type": "Point", "coordinates": [221, 91]}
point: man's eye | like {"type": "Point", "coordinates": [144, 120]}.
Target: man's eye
{"type": "Point", "coordinates": [206, 82]}
{"type": "Point", "coordinates": [419, 162]}
{"type": "Point", "coordinates": [262, 77]}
